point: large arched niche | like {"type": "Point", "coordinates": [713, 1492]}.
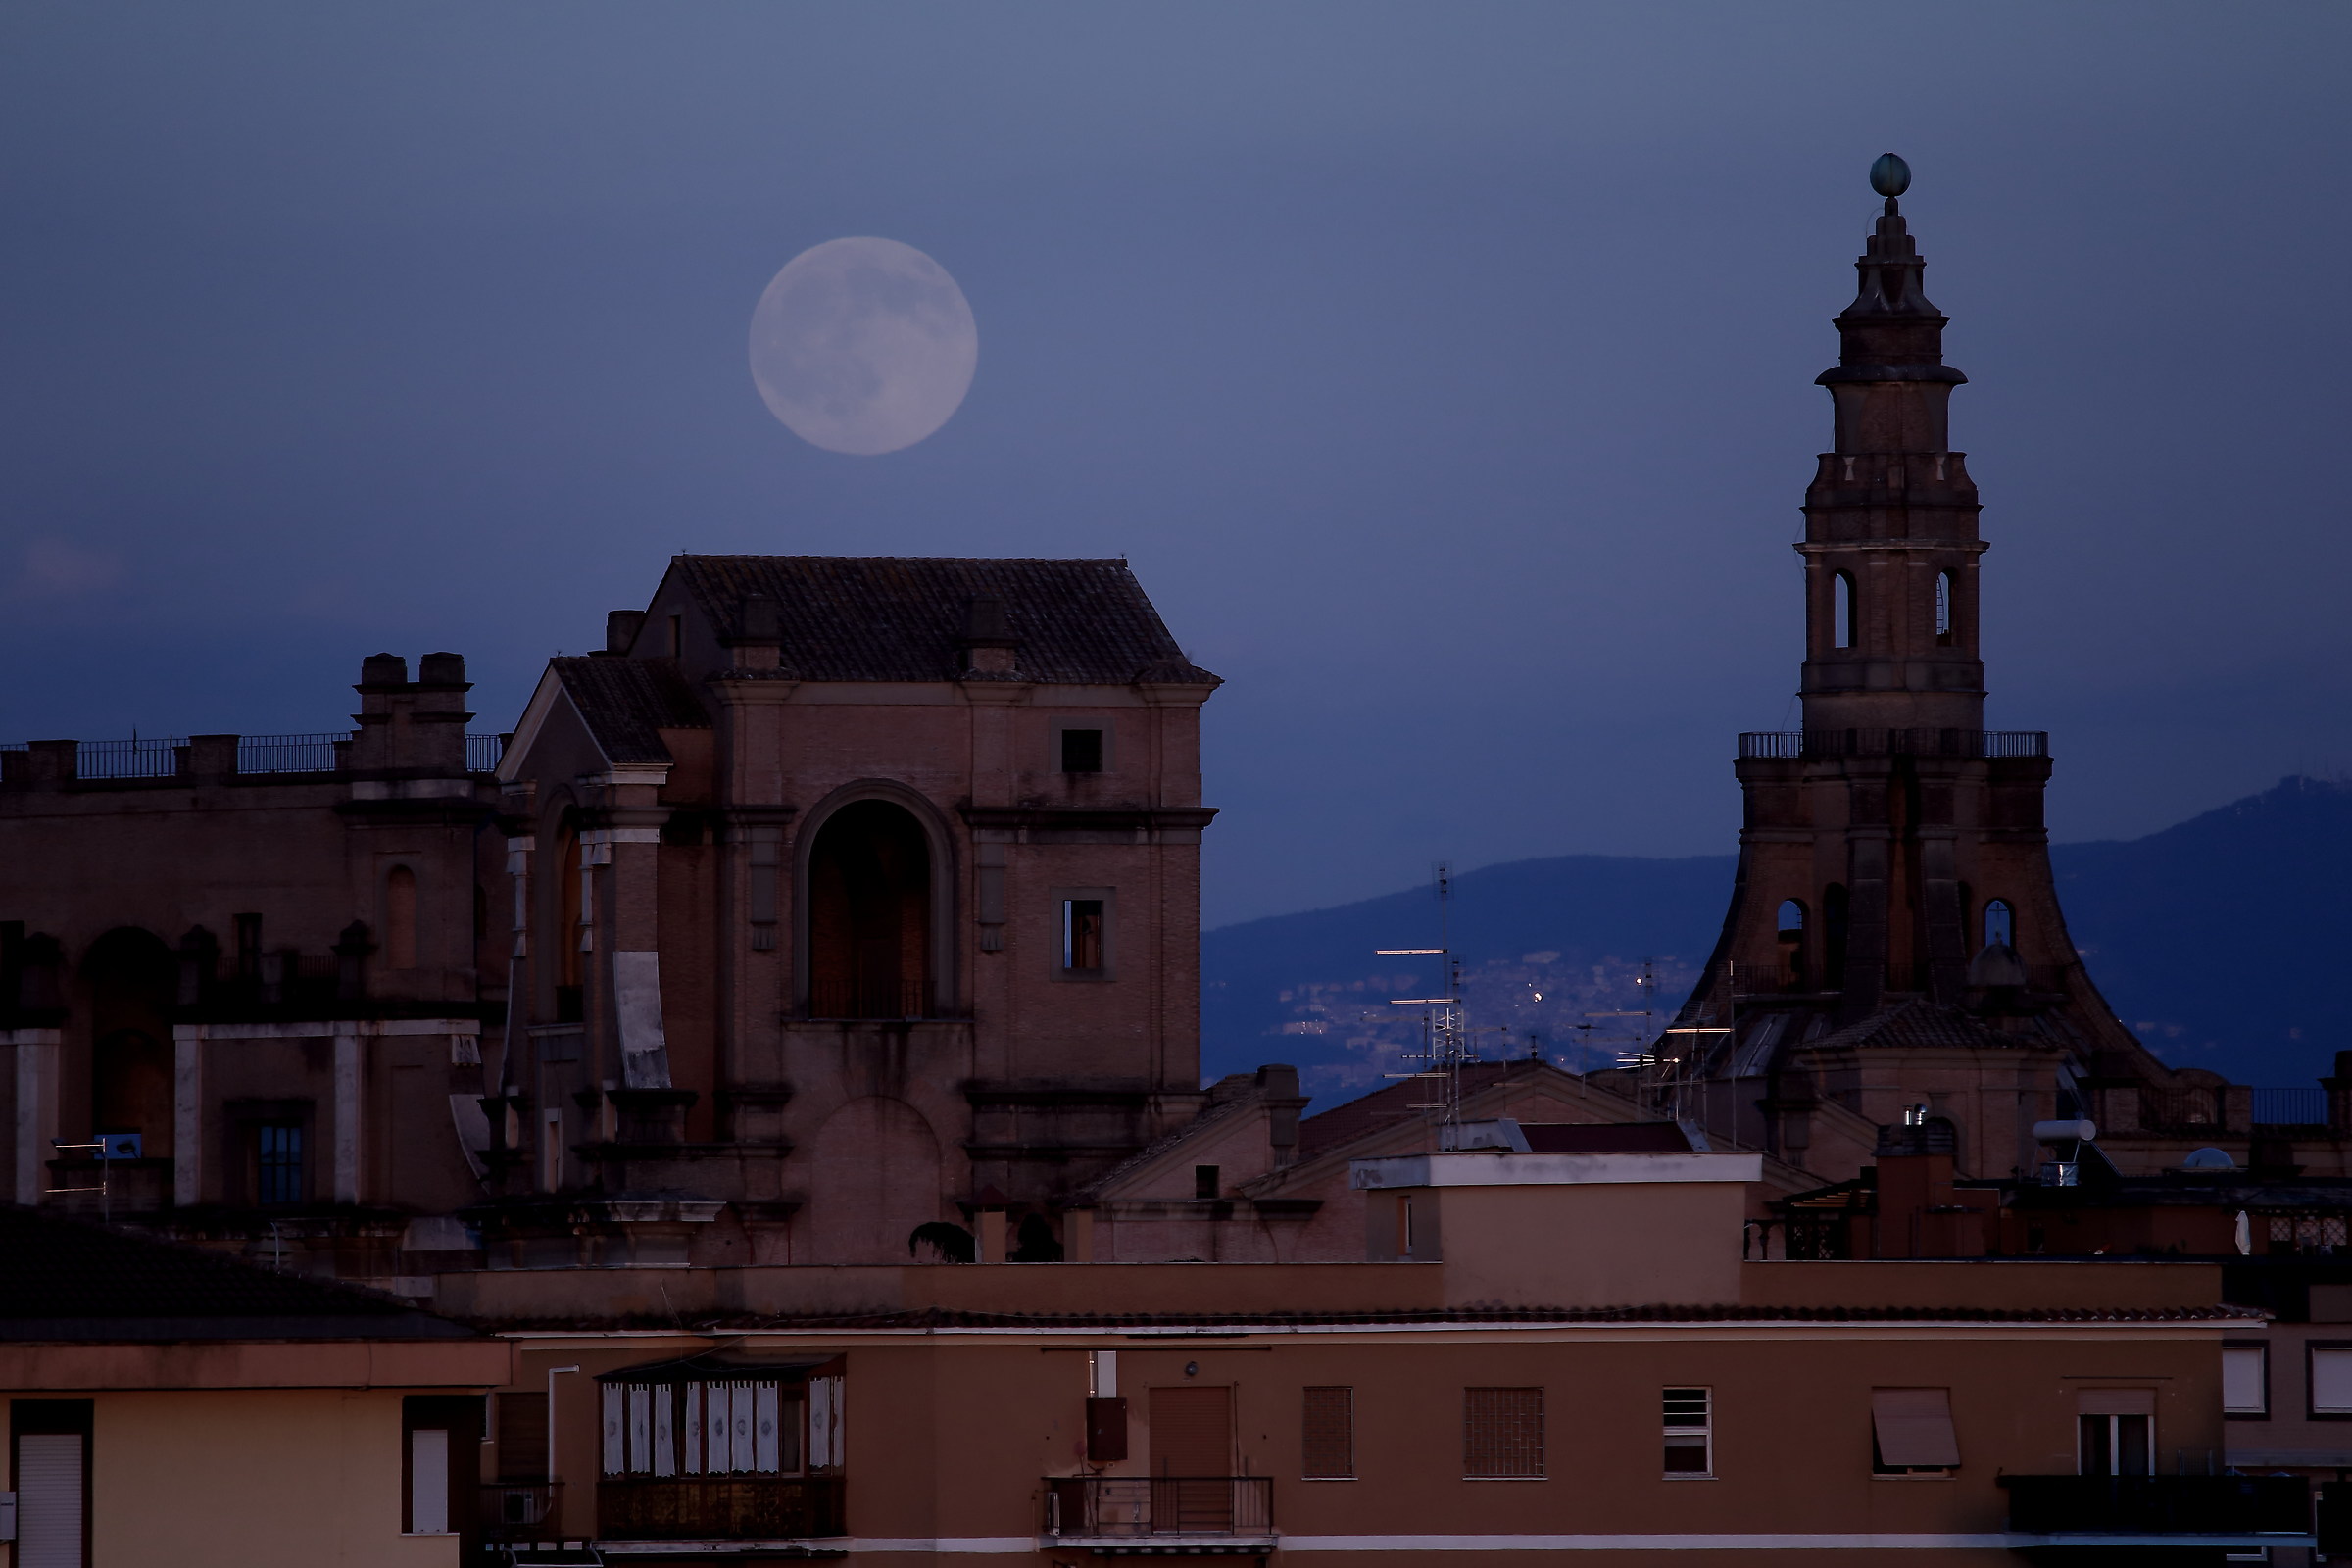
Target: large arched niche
{"type": "Point", "coordinates": [873, 907]}
{"type": "Point", "coordinates": [134, 979]}
{"type": "Point", "coordinates": [874, 1176]}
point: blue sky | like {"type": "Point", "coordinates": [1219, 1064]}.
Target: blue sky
{"type": "Point", "coordinates": [1444, 371]}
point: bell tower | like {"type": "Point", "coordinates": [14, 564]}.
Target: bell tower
{"type": "Point", "coordinates": [1892, 857]}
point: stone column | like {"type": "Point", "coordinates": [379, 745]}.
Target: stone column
{"type": "Point", "coordinates": [187, 1114]}
{"type": "Point", "coordinates": [351, 1066]}
{"type": "Point", "coordinates": [37, 1053]}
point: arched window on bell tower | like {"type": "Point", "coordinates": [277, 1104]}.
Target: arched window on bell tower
{"type": "Point", "coordinates": [1843, 616]}
{"type": "Point", "coordinates": [1943, 609]}
{"type": "Point", "coordinates": [2000, 924]}
{"type": "Point", "coordinates": [1791, 927]}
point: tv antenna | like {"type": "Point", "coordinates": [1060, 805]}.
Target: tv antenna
{"type": "Point", "coordinates": [1446, 1039]}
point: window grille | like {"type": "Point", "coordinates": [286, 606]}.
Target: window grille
{"type": "Point", "coordinates": [1327, 1446]}
{"type": "Point", "coordinates": [1690, 1419]}
{"type": "Point", "coordinates": [281, 1153]}
{"type": "Point", "coordinates": [2307, 1233]}
{"type": "Point", "coordinates": [1502, 1434]}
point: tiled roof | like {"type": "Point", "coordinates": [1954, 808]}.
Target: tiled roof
{"type": "Point", "coordinates": [1919, 1022]}
{"type": "Point", "coordinates": [1275, 1322]}
{"type": "Point", "coordinates": [1385, 1108]}
{"type": "Point", "coordinates": [62, 1279]}
{"type": "Point", "coordinates": [626, 704]}
{"type": "Point", "coordinates": [903, 619]}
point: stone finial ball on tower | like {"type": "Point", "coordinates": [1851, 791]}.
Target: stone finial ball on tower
{"type": "Point", "coordinates": [1889, 177]}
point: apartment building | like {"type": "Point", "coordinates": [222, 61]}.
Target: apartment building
{"type": "Point", "coordinates": [1561, 1352]}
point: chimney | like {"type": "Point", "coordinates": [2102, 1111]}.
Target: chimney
{"type": "Point", "coordinates": [987, 646]}
{"type": "Point", "coordinates": [410, 727]}
{"type": "Point", "coordinates": [620, 629]}
{"type": "Point", "coordinates": [758, 636]}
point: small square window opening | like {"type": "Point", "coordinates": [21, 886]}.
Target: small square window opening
{"type": "Point", "coordinates": [1082, 751]}
{"type": "Point", "coordinates": [1206, 1181]}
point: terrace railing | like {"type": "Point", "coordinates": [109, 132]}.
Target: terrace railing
{"type": "Point", "coordinates": [165, 756]}
{"type": "Point", "coordinates": [1103, 1507]}
{"type": "Point", "coordinates": [1792, 745]}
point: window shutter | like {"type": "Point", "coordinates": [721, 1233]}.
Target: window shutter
{"type": "Point", "coordinates": [428, 1481]}
{"type": "Point", "coordinates": [1327, 1436]}
{"type": "Point", "coordinates": [522, 1436]}
{"type": "Point", "coordinates": [1914, 1427]}
{"type": "Point", "coordinates": [2245, 1379]}
{"type": "Point", "coordinates": [1503, 1432]}
{"type": "Point", "coordinates": [49, 1502]}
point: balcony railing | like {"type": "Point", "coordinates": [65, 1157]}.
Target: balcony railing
{"type": "Point", "coordinates": [168, 755]}
{"type": "Point", "coordinates": [1790, 745]}
{"type": "Point", "coordinates": [521, 1510]}
{"type": "Point", "coordinates": [2159, 1505]}
{"type": "Point", "coordinates": [1139, 1507]}
{"type": "Point", "coordinates": [866, 999]}
{"type": "Point", "coordinates": [2290, 1108]}
{"type": "Point", "coordinates": [718, 1507]}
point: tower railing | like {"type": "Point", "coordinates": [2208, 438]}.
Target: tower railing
{"type": "Point", "coordinates": [1790, 745]}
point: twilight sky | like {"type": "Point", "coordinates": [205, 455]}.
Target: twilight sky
{"type": "Point", "coordinates": [1446, 371]}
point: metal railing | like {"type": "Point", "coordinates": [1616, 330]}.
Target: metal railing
{"type": "Point", "coordinates": [2162, 1505]}
{"type": "Point", "coordinates": [1792, 745]}
{"type": "Point", "coordinates": [321, 753]}
{"type": "Point", "coordinates": [718, 1507]}
{"type": "Point", "coordinates": [2183, 1111]}
{"type": "Point", "coordinates": [1160, 1505]}
{"type": "Point", "coordinates": [135, 758]}
{"type": "Point", "coordinates": [166, 755]}
{"type": "Point", "coordinates": [521, 1510]}
{"type": "Point", "coordinates": [2290, 1108]}
{"type": "Point", "coordinates": [866, 999]}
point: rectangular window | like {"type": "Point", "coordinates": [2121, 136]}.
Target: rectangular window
{"type": "Point", "coordinates": [1327, 1439]}
{"type": "Point", "coordinates": [1207, 1180]}
{"type": "Point", "coordinates": [1502, 1434]}
{"type": "Point", "coordinates": [1082, 751]}
{"type": "Point", "coordinates": [2245, 1379]}
{"type": "Point", "coordinates": [280, 1162]}
{"type": "Point", "coordinates": [1689, 1415]}
{"type": "Point", "coordinates": [2331, 1380]}
{"type": "Point", "coordinates": [2115, 1445]}
{"type": "Point", "coordinates": [428, 1481]}
{"type": "Point", "coordinates": [1911, 1431]}
{"type": "Point", "coordinates": [1081, 936]}
{"type": "Point", "coordinates": [551, 1150]}
{"type": "Point", "coordinates": [522, 1436]}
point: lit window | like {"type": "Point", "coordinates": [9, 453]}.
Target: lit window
{"type": "Point", "coordinates": [1690, 1433]}
{"type": "Point", "coordinates": [1081, 936]}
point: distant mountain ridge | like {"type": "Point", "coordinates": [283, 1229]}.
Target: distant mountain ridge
{"type": "Point", "coordinates": [2220, 940]}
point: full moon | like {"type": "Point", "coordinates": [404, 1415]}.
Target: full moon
{"type": "Point", "coordinates": [864, 346]}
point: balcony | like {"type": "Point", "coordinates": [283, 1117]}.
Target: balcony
{"type": "Point", "coordinates": [1795, 745]}
{"type": "Point", "coordinates": [718, 1507]}
{"type": "Point", "coordinates": [1170, 1515]}
{"type": "Point", "coordinates": [2154, 1510]}
{"type": "Point", "coordinates": [521, 1510]}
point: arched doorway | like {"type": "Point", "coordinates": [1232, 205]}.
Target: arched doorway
{"type": "Point", "coordinates": [134, 979]}
{"type": "Point", "coordinates": [869, 914]}
{"type": "Point", "coordinates": [873, 1177]}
